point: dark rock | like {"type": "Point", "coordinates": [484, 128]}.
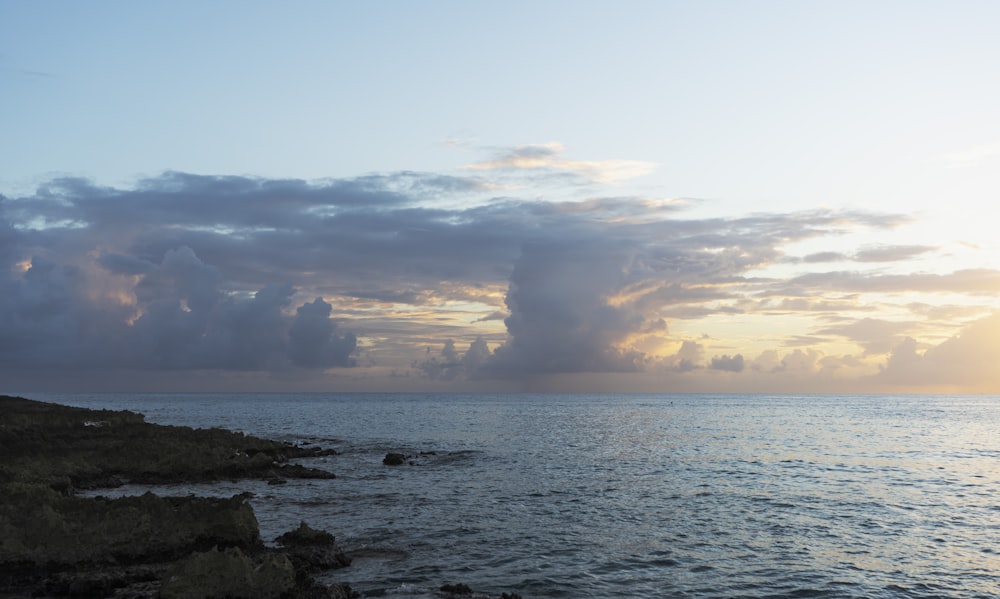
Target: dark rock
{"type": "Point", "coordinates": [50, 444]}
{"type": "Point", "coordinates": [46, 528]}
{"type": "Point", "coordinates": [229, 573]}
{"type": "Point", "coordinates": [457, 589]}
{"type": "Point", "coordinates": [342, 591]}
{"type": "Point", "coordinates": [132, 581]}
{"type": "Point", "coordinates": [394, 459]}
{"type": "Point", "coordinates": [300, 471]}
{"type": "Point", "coordinates": [313, 550]}
{"type": "Point", "coordinates": [306, 535]}
{"type": "Point", "coordinates": [54, 543]}
{"type": "Point", "coordinates": [311, 452]}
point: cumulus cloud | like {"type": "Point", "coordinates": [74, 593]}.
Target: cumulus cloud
{"type": "Point", "coordinates": [244, 274]}
{"type": "Point", "coordinates": [313, 341]}
{"type": "Point", "coordinates": [176, 316]}
{"type": "Point", "coordinates": [728, 363]}
{"type": "Point", "coordinates": [448, 365]}
{"type": "Point", "coordinates": [964, 362]}
{"type": "Point", "coordinates": [561, 316]}
{"type": "Point", "coordinates": [687, 359]}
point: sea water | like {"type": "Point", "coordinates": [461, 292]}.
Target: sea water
{"type": "Point", "coordinates": [696, 496]}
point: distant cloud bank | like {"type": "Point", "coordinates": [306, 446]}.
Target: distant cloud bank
{"type": "Point", "coordinates": [369, 282]}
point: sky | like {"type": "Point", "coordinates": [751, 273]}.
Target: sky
{"type": "Point", "coordinates": [711, 196]}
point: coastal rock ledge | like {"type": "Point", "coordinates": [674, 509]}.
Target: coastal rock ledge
{"type": "Point", "coordinates": [56, 543]}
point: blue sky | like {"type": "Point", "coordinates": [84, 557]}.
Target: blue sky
{"type": "Point", "coordinates": [870, 126]}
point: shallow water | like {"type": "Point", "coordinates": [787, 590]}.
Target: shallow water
{"type": "Point", "coordinates": [633, 495]}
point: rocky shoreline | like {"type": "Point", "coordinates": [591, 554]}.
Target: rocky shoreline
{"type": "Point", "coordinates": [55, 543]}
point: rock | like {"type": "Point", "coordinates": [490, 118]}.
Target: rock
{"type": "Point", "coordinates": [54, 543]}
{"type": "Point", "coordinates": [300, 471]}
{"type": "Point", "coordinates": [464, 591]}
{"type": "Point", "coordinates": [457, 589]}
{"type": "Point", "coordinates": [103, 583]}
{"type": "Point", "coordinates": [48, 444]}
{"type": "Point", "coordinates": [341, 591]}
{"type": "Point", "coordinates": [313, 550]}
{"type": "Point", "coordinates": [42, 527]}
{"type": "Point", "coordinates": [217, 574]}
{"type": "Point", "coordinates": [394, 459]}
{"type": "Point", "coordinates": [275, 575]}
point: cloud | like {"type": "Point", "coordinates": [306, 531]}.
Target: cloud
{"type": "Point", "coordinates": [965, 362]}
{"type": "Point", "coordinates": [561, 318]}
{"type": "Point", "coordinates": [884, 253]}
{"type": "Point", "coordinates": [449, 366]}
{"type": "Point", "coordinates": [687, 359]}
{"type": "Point", "coordinates": [243, 274]}
{"type": "Point", "coordinates": [979, 281]}
{"type": "Point", "coordinates": [313, 340]}
{"type": "Point", "coordinates": [176, 316]}
{"type": "Point", "coordinates": [892, 253]}
{"type": "Point", "coordinates": [728, 363]}
{"type": "Point", "coordinates": [875, 335]}
{"type": "Point", "coordinates": [824, 257]}
{"type": "Point", "coordinates": [547, 158]}
{"type": "Point", "coordinates": [46, 318]}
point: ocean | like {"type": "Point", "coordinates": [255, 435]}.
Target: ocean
{"type": "Point", "coordinates": [695, 496]}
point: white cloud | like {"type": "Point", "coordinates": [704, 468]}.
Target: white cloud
{"type": "Point", "coordinates": [548, 157]}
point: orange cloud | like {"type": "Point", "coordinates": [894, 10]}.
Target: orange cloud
{"type": "Point", "coordinates": [966, 362]}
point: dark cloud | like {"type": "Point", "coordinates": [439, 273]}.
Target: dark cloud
{"type": "Point", "coordinates": [824, 257]}
{"type": "Point", "coordinates": [892, 253]}
{"type": "Point", "coordinates": [45, 317]}
{"type": "Point", "coordinates": [449, 366]}
{"type": "Point", "coordinates": [497, 315]}
{"type": "Point", "coordinates": [561, 318]}
{"type": "Point", "coordinates": [887, 253]}
{"type": "Point", "coordinates": [120, 264]}
{"type": "Point", "coordinates": [313, 340]}
{"type": "Point", "coordinates": [202, 272]}
{"type": "Point", "coordinates": [727, 363]}
{"type": "Point", "coordinates": [178, 318]}
{"type": "Point", "coordinates": [186, 322]}
{"type": "Point", "coordinates": [982, 281]}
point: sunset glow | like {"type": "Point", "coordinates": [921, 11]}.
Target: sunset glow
{"type": "Point", "coordinates": [668, 197]}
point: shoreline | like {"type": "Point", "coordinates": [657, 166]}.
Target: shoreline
{"type": "Point", "coordinates": [56, 543]}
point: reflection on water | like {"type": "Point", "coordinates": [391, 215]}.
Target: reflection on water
{"type": "Point", "coordinates": [652, 496]}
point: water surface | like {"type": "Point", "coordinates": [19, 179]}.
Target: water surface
{"type": "Point", "coordinates": [633, 495]}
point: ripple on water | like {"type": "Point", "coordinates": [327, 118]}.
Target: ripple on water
{"type": "Point", "coordinates": [643, 496]}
